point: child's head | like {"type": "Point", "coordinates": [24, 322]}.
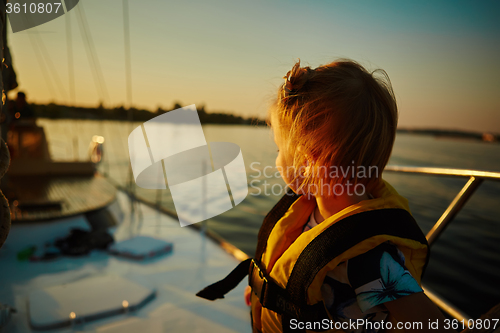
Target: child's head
{"type": "Point", "coordinates": [336, 125]}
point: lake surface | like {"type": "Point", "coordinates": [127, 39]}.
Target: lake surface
{"type": "Point", "coordinates": [465, 261]}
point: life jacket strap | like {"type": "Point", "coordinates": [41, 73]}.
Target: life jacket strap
{"type": "Point", "coordinates": [345, 234]}
{"type": "Point", "coordinates": [222, 287]}
{"type": "Point", "coordinates": [269, 293]}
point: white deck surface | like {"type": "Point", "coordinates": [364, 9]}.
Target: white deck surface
{"type": "Point", "coordinates": [194, 263]}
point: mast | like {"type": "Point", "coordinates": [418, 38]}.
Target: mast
{"type": "Point", "coordinates": [128, 61]}
{"type": "Point", "coordinates": [128, 91]}
{"type": "Point", "coordinates": [128, 83]}
{"type": "Point", "coordinates": [71, 70]}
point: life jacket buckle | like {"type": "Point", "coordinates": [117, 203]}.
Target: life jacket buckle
{"type": "Point", "coordinates": [257, 280]}
{"type": "Point", "coordinates": [270, 295]}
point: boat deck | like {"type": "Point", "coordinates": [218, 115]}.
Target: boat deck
{"type": "Point", "coordinates": [45, 198]}
{"type": "Point", "coordinates": [195, 262]}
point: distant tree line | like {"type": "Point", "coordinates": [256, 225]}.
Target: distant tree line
{"type": "Point", "coordinates": [488, 137]}
{"type": "Point", "coordinates": [55, 111]}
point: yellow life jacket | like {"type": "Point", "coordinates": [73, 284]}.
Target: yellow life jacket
{"type": "Point", "coordinates": [290, 266]}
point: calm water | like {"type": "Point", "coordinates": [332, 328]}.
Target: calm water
{"type": "Point", "coordinates": [465, 262]}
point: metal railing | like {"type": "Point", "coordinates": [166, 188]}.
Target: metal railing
{"type": "Point", "coordinates": [475, 178]}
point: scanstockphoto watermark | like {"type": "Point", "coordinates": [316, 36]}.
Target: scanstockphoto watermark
{"type": "Point", "coordinates": [354, 325]}
{"type": "Point", "coordinates": [262, 176]}
{"type": "Point", "coordinates": [368, 325]}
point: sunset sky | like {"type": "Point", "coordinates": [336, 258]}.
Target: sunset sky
{"type": "Point", "coordinates": [443, 57]}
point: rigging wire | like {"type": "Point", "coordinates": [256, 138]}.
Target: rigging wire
{"type": "Point", "coordinates": [94, 52]}
{"type": "Point", "coordinates": [46, 57]}
{"type": "Point", "coordinates": [41, 63]}
{"type": "Point", "coordinates": [91, 54]}
{"type": "Point", "coordinates": [89, 57]}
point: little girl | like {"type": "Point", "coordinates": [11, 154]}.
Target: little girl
{"type": "Point", "coordinates": [340, 251]}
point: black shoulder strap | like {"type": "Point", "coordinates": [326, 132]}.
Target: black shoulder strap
{"type": "Point", "coordinates": [337, 239]}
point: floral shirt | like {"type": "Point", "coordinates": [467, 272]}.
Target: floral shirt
{"type": "Point", "coordinates": [359, 287]}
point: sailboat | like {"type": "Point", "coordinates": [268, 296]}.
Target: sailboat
{"type": "Point", "coordinates": [39, 188]}
{"type": "Point", "coordinates": [50, 200]}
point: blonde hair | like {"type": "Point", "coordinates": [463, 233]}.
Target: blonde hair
{"type": "Point", "coordinates": [337, 115]}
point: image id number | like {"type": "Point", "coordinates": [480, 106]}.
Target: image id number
{"type": "Point", "coordinates": [471, 324]}
{"type": "Point", "coordinates": [32, 8]}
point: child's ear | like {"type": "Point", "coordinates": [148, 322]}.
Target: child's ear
{"type": "Point", "coordinates": [309, 158]}
{"type": "Point", "coordinates": [301, 151]}
{"type": "Point", "coordinates": [309, 162]}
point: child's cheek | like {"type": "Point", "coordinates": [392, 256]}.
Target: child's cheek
{"type": "Point", "coordinates": [280, 170]}
{"type": "Point", "coordinates": [281, 166]}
